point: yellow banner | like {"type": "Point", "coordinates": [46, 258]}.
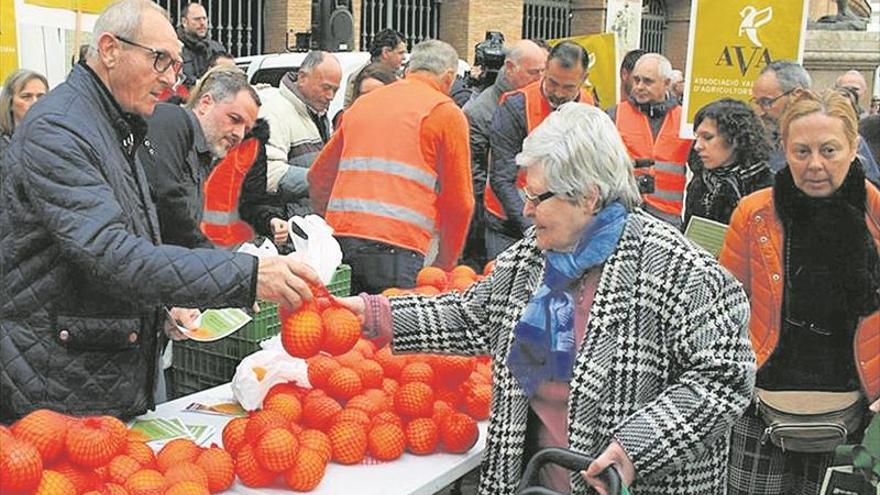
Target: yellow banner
{"type": "Point", "coordinates": [603, 65]}
{"type": "Point", "coordinates": [84, 6]}
{"type": "Point", "coordinates": [8, 40]}
{"type": "Point", "coordinates": [731, 41]}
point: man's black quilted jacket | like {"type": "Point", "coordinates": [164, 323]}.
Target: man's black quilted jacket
{"type": "Point", "coordinates": [82, 277]}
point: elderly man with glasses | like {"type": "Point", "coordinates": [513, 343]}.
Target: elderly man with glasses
{"type": "Point", "coordinates": [778, 84]}
{"type": "Point", "coordinates": [83, 274]}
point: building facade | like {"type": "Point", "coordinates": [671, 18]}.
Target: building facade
{"type": "Point", "coordinates": [464, 23]}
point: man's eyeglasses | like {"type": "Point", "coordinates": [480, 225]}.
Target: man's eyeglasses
{"type": "Point", "coordinates": [162, 61]}
{"type": "Point", "coordinates": [535, 200]}
{"type": "Point", "coordinates": [766, 103]}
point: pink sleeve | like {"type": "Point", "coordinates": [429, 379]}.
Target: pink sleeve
{"type": "Point", "coordinates": [377, 319]}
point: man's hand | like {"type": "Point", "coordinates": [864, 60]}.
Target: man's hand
{"type": "Point", "coordinates": [180, 317]}
{"type": "Point", "coordinates": [875, 406]}
{"type": "Point", "coordinates": [280, 231]}
{"type": "Point", "coordinates": [286, 281]}
{"type": "Point", "coordinates": [613, 455]}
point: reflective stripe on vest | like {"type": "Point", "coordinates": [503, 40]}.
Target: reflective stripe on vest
{"type": "Point", "coordinates": [384, 190]}
{"type": "Point", "coordinates": [379, 208]}
{"type": "Point", "coordinates": [220, 218]}
{"type": "Point", "coordinates": [668, 151]}
{"type": "Point", "coordinates": [537, 109]}
{"type": "Point", "coordinates": [389, 167]}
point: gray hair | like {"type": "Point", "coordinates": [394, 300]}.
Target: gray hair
{"type": "Point", "coordinates": [123, 18]}
{"type": "Point", "coordinates": [313, 59]}
{"type": "Point", "coordinates": [433, 56]}
{"type": "Point", "coordinates": [15, 82]}
{"type": "Point", "coordinates": [664, 67]}
{"type": "Point", "coordinates": [517, 51]}
{"type": "Point", "coordinates": [790, 75]}
{"type": "Point", "coordinates": [223, 83]}
{"type": "Point", "coordinates": [580, 148]}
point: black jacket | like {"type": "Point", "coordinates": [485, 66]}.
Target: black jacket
{"type": "Point", "coordinates": [506, 134]}
{"type": "Point", "coordinates": [715, 194]}
{"type": "Point", "coordinates": [255, 206]}
{"type": "Point", "coordinates": [82, 275]}
{"type": "Point", "coordinates": [177, 162]}
{"type": "Point", "coordinates": [196, 54]}
{"type": "Point", "coordinates": [479, 112]}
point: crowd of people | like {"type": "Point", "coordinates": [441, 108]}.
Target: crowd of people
{"type": "Point", "coordinates": [611, 333]}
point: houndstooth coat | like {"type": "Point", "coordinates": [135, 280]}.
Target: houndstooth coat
{"type": "Point", "coordinates": [665, 367]}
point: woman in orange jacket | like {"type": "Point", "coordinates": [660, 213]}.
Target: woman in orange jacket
{"type": "Point", "coordinates": [806, 251]}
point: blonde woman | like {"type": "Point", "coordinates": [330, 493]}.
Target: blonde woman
{"type": "Point", "coordinates": [806, 251]}
{"type": "Point", "coordinates": [20, 91]}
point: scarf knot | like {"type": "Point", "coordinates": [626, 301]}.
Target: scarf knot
{"type": "Point", "coordinates": [544, 346]}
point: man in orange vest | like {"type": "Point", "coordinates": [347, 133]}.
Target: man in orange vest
{"type": "Point", "coordinates": [648, 122]}
{"type": "Point", "coordinates": [524, 64]}
{"type": "Point", "coordinates": [185, 144]}
{"type": "Point", "coordinates": [397, 171]}
{"type": "Point", "coordinates": [519, 112]}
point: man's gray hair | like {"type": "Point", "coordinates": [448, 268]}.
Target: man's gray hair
{"type": "Point", "coordinates": [123, 18]}
{"type": "Point", "coordinates": [433, 56]}
{"type": "Point", "coordinates": [664, 67]}
{"type": "Point", "coordinates": [580, 148]}
{"type": "Point", "coordinates": [791, 75]}
{"type": "Point", "coordinates": [517, 51]}
{"type": "Point", "coordinates": [223, 83]}
{"type": "Point", "coordinates": [313, 59]}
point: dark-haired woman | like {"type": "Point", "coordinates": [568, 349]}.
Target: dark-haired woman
{"type": "Point", "coordinates": [729, 160]}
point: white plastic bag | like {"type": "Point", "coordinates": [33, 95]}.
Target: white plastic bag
{"type": "Point", "coordinates": [267, 248]}
{"type": "Point", "coordinates": [321, 251]}
{"type": "Point", "coordinates": [276, 366]}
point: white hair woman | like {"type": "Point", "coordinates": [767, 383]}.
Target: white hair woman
{"type": "Point", "coordinates": [610, 334]}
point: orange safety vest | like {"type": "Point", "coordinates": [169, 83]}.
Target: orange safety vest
{"type": "Point", "coordinates": [384, 189]}
{"type": "Point", "coordinates": [537, 109]}
{"type": "Point", "coordinates": [220, 221]}
{"type": "Point", "coordinates": [668, 151]}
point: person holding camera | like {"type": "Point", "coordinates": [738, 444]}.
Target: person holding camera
{"type": "Point", "coordinates": [518, 113]}
{"type": "Point", "coordinates": [648, 122]}
{"type": "Point", "coordinates": [524, 64]}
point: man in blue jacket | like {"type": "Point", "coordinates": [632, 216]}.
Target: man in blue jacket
{"type": "Point", "coordinates": [83, 274]}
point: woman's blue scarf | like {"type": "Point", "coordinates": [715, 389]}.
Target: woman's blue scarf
{"type": "Point", "coordinates": [543, 347]}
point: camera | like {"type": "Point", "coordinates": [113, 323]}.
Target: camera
{"type": "Point", "coordinates": [645, 181]}
{"type": "Point", "coordinates": [489, 55]}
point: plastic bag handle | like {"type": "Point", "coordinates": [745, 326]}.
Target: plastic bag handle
{"type": "Point", "coordinates": [567, 459]}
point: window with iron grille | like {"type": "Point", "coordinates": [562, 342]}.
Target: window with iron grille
{"type": "Point", "coordinates": [546, 19]}
{"type": "Point", "coordinates": [653, 26]}
{"type": "Point", "coordinates": [417, 20]}
{"type": "Point", "coordinates": [236, 24]}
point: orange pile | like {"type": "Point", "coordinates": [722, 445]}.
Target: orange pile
{"type": "Point", "coordinates": [53, 454]}
{"type": "Point", "coordinates": [431, 280]}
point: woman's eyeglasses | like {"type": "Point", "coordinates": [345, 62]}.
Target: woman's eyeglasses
{"type": "Point", "coordinates": [535, 200]}
{"type": "Point", "coordinates": [162, 61]}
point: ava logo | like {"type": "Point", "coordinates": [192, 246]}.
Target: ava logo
{"type": "Point", "coordinates": [745, 58]}
{"type": "Point", "coordinates": [752, 19]}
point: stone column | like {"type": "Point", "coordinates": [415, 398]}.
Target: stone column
{"type": "Point", "coordinates": [282, 17]}
{"type": "Point", "coordinates": [828, 54]}
{"type": "Point", "coordinates": [356, 13]}
{"type": "Point", "coordinates": [463, 23]}
{"type": "Point", "coordinates": [678, 19]}
{"type": "Point", "coordinates": [588, 17]}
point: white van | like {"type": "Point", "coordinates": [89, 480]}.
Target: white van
{"type": "Point", "coordinates": [270, 68]}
